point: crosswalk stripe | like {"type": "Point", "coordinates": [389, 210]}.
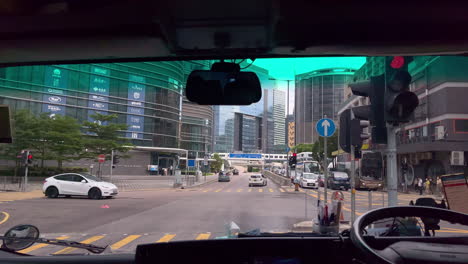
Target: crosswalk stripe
{"type": "Point", "coordinates": [281, 190]}
{"type": "Point", "coordinates": [166, 238]}
{"type": "Point", "coordinates": [250, 189]}
{"type": "Point", "coordinates": [203, 236]}
{"type": "Point", "coordinates": [70, 249]}
{"type": "Point", "coordinates": [260, 190]}
{"type": "Point", "coordinates": [38, 246]}
{"type": "Point", "coordinates": [228, 190]}
{"type": "Point", "coordinates": [271, 190]}
{"type": "Point", "coordinates": [313, 195]}
{"type": "Point", "coordinates": [206, 190]}
{"type": "Point", "coordinates": [218, 190]}
{"type": "Point", "coordinates": [124, 241]}
{"type": "Point", "coordinates": [239, 190]}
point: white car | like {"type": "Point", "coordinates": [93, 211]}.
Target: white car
{"type": "Point", "coordinates": [309, 180]}
{"type": "Point", "coordinates": [78, 184]}
{"type": "Point", "coordinates": [257, 179]}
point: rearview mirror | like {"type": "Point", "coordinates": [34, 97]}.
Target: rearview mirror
{"type": "Point", "coordinates": [83, 181]}
{"type": "Point", "coordinates": [223, 88]}
{"type": "Point", "coordinates": [20, 237]}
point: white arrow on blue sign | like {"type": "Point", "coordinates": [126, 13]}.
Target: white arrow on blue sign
{"type": "Point", "coordinates": [325, 127]}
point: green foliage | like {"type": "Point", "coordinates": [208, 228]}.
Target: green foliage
{"type": "Point", "coordinates": [103, 136]}
{"type": "Point", "coordinates": [216, 165]}
{"type": "Point", "coordinates": [303, 148]}
{"type": "Point", "coordinates": [58, 138]}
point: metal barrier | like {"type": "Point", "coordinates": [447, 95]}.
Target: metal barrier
{"type": "Point", "coordinates": [282, 181]}
{"type": "Point", "coordinates": [11, 183]}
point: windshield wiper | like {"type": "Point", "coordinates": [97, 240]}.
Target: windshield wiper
{"type": "Point", "coordinates": [66, 243]}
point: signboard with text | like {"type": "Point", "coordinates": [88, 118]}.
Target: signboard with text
{"type": "Point", "coordinates": [456, 192]}
{"type": "Point", "coordinates": [55, 80]}
{"type": "Point", "coordinates": [99, 91]}
{"type": "Point", "coordinates": [245, 156]}
{"type": "Point", "coordinates": [135, 110]}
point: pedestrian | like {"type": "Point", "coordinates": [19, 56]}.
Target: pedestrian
{"type": "Point", "coordinates": [439, 186]}
{"type": "Point", "coordinates": [427, 186]}
{"type": "Point", "coordinates": [296, 184]}
{"type": "Point", "coordinates": [170, 170]}
{"type": "Point", "coordinates": [420, 186]}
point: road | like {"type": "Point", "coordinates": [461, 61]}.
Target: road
{"type": "Point", "coordinates": [168, 215]}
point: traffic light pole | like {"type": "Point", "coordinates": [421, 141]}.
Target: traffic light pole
{"type": "Point", "coordinates": [112, 164]}
{"type": "Point", "coordinates": [392, 180]}
{"type": "Point", "coordinates": [25, 187]}
{"type": "Point", "coordinates": [325, 169]}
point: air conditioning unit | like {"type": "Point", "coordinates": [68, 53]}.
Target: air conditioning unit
{"type": "Point", "coordinates": [439, 132]}
{"type": "Point", "coordinates": [411, 134]}
{"type": "Point", "coordinates": [457, 158]}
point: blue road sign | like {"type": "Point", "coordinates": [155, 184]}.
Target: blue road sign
{"type": "Point", "coordinates": [325, 127]}
{"type": "Point", "coordinates": [288, 149]}
{"type": "Point", "coordinates": [245, 156]}
{"type": "Point", "coordinates": [191, 163]}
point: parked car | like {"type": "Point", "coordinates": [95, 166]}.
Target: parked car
{"type": "Point", "coordinates": [224, 177]}
{"type": "Point", "coordinates": [309, 180]}
{"type": "Point", "coordinates": [257, 179]}
{"type": "Point", "coordinates": [78, 184]}
{"type": "Point", "coordinates": [338, 180]}
{"type": "Point", "coordinates": [235, 172]}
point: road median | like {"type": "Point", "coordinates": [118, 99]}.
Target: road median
{"type": "Point", "coordinates": [278, 179]}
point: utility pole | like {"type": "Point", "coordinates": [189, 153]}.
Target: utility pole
{"type": "Point", "coordinates": [111, 164]}
{"type": "Point", "coordinates": [26, 172]}
{"type": "Point", "coordinates": [392, 178]}
{"type": "Point", "coordinates": [325, 168]}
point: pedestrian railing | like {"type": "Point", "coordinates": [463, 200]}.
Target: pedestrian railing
{"type": "Point", "coordinates": [11, 183]}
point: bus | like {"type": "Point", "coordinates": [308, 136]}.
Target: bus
{"type": "Point", "coordinates": [370, 169]}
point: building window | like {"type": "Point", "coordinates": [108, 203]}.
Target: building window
{"type": "Point", "coordinates": [460, 125]}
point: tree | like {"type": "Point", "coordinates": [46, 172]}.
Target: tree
{"type": "Point", "coordinates": [332, 145]}
{"type": "Point", "coordinates": [217, 164]}
{"type": "Point", "coordinates": [103, 136]}
{"type": "Point", "coordinates": [303, 148]}
{"type": "Point", "coordinates": [58, 138]}
{"type": "Point", "coordinates": [64, 139]}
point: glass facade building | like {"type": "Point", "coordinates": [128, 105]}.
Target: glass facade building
{"type": "Point", "coordinates": [317, 94]}
{"type": "Point", "coordinates": [145, 96]}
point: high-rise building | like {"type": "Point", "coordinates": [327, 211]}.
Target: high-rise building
{"type": "Point", "coordinates": [317, 94]}
{"type": "Point", "coordinates": [274, 122]}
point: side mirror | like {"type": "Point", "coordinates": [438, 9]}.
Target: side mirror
{"type": "Point", "coordinates": [20, 237]}
{"type": "Point", "coordinates": [83, 181]}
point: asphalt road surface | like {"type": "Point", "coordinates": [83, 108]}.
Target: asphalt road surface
{"type": "Point", "coordinates": [139, 217]}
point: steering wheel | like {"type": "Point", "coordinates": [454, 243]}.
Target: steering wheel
{"type": "Point", "coordinates": [410, 251]}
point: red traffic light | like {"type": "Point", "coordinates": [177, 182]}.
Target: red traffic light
{"type": "Point", "coordinates": [294, 154]}
{"type": "Point", "coordinates": [30, 156]}
{"type": "Point", "coordinates": [397, 62]}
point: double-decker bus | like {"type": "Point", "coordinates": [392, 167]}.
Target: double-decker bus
{"type": "Point", "coordinates": [369, 170]}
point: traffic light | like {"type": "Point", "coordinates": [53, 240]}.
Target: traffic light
{"type": "Point", "coordinates": [293, 160]}
{"type": "Point", "coordinates": [375, 90]}
{"type": "Point", "coordinates": [116, 159]}
{"type": "Point", "coordinates": [26, 157]}
{"type": "Point", "coordinates": [356, 132]}
{"type": "Point", "coordinates": [345, 128]}
{"type": "Point", "coordinates": [400, 103]}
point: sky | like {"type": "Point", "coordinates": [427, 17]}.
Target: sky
{"type": "Point", "coordinates": [286, 68]}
